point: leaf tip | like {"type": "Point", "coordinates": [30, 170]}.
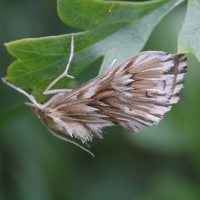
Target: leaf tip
{"type": "Point", "coordinates": [4, 79]}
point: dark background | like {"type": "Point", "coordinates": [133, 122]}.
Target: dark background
{"type": "Point", "coordinates": [161, 162]}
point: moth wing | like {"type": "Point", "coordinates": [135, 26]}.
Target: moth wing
{"type": "Point", "coordinates": [136, 93]}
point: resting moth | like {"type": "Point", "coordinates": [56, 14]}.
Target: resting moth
{"type": "Point", "coordinates": [135, 93]}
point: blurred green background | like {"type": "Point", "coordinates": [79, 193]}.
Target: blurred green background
{"type": "Point", "coordinates": [161, 162]}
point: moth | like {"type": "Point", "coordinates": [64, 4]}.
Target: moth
{"type": "Point", "coordinates": [133, 94]}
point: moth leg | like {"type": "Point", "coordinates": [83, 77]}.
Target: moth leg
{"type": "Point", "coordinates": [113, 62]}
{"type": "Point", "coordinates": [47, 91]}
{"type": "Point", "coordinates": [63, 137]}
{"type": "Point", "coordinates": [23, 92]}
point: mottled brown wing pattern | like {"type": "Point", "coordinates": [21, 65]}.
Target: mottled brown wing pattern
{"type": "Point", "coordinates": [136, 93]}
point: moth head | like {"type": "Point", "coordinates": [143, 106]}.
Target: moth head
{"type": "Point", "coordinates": [34, 107]}
{"type": "Point", "coordinates": [43, 114]}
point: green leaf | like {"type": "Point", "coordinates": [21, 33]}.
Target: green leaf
{"type": "Point", "coordinates": [189, 36]}
{"type": "Point", "coordinates": [112, 30]}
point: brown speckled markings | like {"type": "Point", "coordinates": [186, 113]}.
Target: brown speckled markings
{"type": "Point", "coordinates": [136, 93]}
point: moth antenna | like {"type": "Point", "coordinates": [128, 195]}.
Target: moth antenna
{"type": "Point", "coordinates": [66, 69]}
{"type": "Point", "coordinates": [23, 92]}
{"type": "Point", "coordinates": [60, 136]}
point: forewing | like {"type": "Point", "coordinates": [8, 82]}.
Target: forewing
{"type": "Point", "coordinates": [136, 93]}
